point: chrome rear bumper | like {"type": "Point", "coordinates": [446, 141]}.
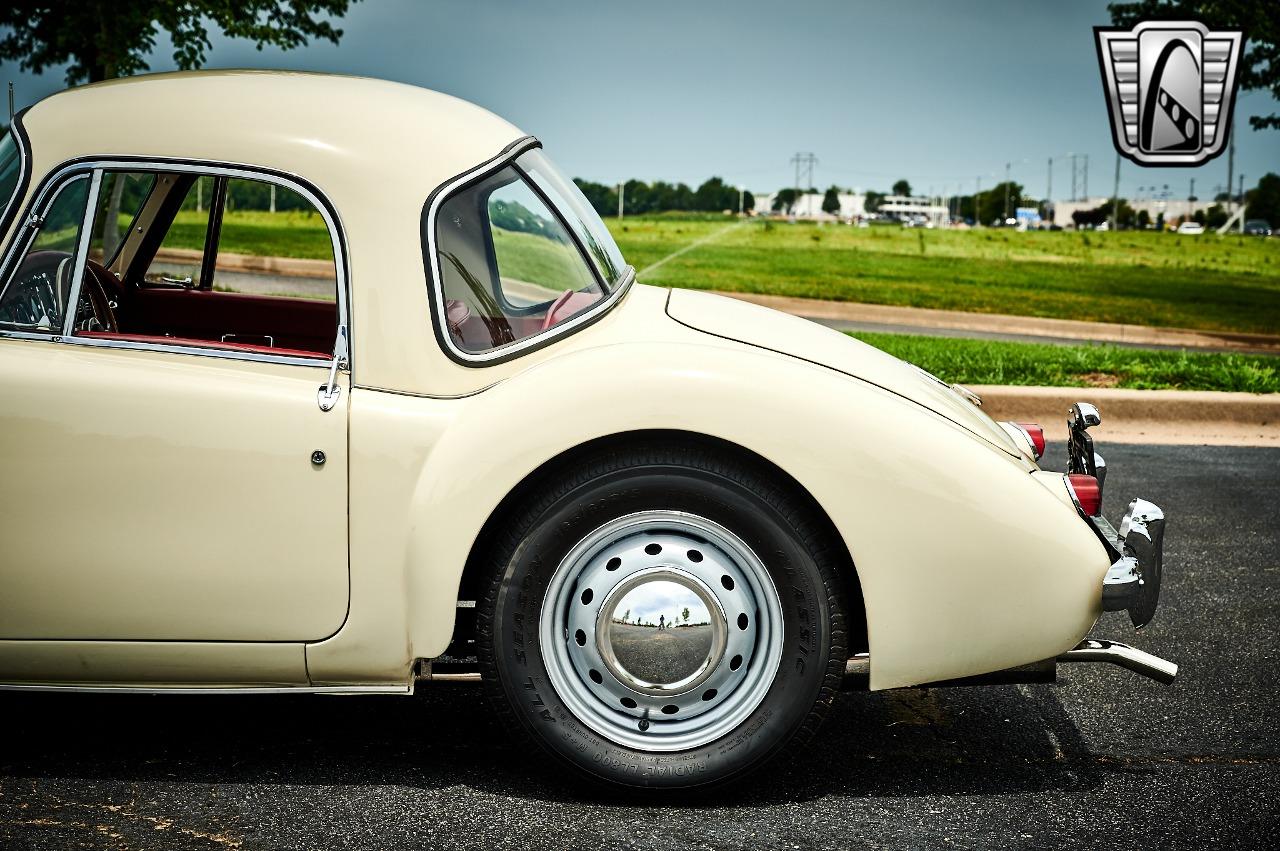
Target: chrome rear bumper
{"type": "Point", "coordinates": [1138, 661]}
{"type": "Point", "coordinates": [1132, 583]}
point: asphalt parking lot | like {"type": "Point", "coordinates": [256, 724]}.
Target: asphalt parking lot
{"type": "Point", "coordinates": [1102, 759]}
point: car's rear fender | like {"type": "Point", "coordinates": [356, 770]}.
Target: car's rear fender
{"type": "Point", "coordinates": [968, 564]}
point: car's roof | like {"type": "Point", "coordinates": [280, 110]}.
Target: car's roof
{"type": "Point", "coordinates": [301, 123]}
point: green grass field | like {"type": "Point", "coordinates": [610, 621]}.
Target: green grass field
{"type": "Point", "coordinates": [1038, 364]}
{"type": "Point", "coordinates": [1209, 282]}
{"type": "Point", "coordinates": [291, 234]}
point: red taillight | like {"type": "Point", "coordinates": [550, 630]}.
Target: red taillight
{"type": "Point", "coordinates": [1088, 493]}
{"type": "Point", "coordinates": [1036, 433]}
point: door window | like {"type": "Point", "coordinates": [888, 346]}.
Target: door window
{"type": "Point", "coordinates": [215, 262]}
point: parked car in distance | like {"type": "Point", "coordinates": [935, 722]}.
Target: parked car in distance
{"type": "Point", "coordinates": [1257, 227]}
{"type": "Point", "coordinates": [335, 385]}
{"type": "Point", "coordinates": [1191, 228]}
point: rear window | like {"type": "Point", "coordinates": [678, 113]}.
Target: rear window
{"type": "Point", "coordinates": [520, 253]}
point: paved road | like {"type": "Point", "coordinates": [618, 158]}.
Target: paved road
{"type": "Point", "coordinates": [1103, 759]}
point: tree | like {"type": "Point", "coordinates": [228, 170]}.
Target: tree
{"type": "Point", "coordinates": [714, 196]}
{"type": "Point", "coordinates": [101, 39]}
{"type": "Point", "coordinates": [604, 199]}
{"type": "Point", "coordinates": [1260, 64]}
{"type": "Point", "coordinates": [785, 199]}
{"type": "Point", "coordinates": [626, 616]}
{"type": "Point", "coordinates": [831, 201]}
{"type": "Point", "coordinates": [686, 614]}
{"type": "Point", "coordinates": [1144, 218]}
{"type": "Point", "coordinates": [872, 201]}
{"type": "Point", "coordinates": [1264, 200]}
{"type": "Point", "coordinates": [901, 187]}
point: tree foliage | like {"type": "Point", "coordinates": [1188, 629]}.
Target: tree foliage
{"type": "Point", "coordinates": [1264, 200]}
{"type": "Point", "coordinates": [901, 187]}
{"type": "Point", "coordinates": [712, 196]}
{"type": "Point", "coordinates": [831, 201]}
{"type": "Point", "coordinates": [98, 40]}
{"type": "Point", "coordinates": [1260, 20]}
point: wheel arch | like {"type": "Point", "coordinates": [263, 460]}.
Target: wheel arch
{"type": "Point", "coordinates": [476, 565]}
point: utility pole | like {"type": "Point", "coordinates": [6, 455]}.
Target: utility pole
{"type": "Point", "coordinates": [1007, 166]}
{"type": "Point", "coordinates": [804, 161]}
{"type": "Point", "coordinates": [977, 194]}
{"type": "Point", "coordinates": [1115, 199]}
{"type": "Point", "coordinates": [742, 194]}
{"type": "Point", "coordinates": [1048, 192]}
{"type": "Point", "coordinates": [1242, 209]}
{"type": "Point", "coordinates": [1231, 163]}
{"type": "Point", "coordinates": [273, 197]}
{"type": "Point", "coordinates": [621, 187]}
{"type": "Point", "coordinates": [1084, 180]}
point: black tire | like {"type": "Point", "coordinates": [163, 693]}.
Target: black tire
{"type": "Point", "coordinates": [748, 499]}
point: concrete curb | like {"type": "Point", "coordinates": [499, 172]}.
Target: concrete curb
{"type": "Point", "coordinates": [1144, 416]}
{"type": "Point", "coordinates": [285, 267]}
{"type": "Point", "coordinates": [998, 323]}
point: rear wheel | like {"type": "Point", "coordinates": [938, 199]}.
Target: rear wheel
{"type": "Point", "coordinates": [663, 617]}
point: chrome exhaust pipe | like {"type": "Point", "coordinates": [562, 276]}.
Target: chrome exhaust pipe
{"type": "Point", "coordinates": [1138, 661]}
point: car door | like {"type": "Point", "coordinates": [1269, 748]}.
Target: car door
{"type": "Point", "coordinates": [153, 487]}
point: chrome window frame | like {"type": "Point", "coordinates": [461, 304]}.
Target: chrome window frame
{"type": "Point", "coordinates": [9, 216]}
{"type": "Point", "coordinates": [506, 352]}
{"type": "Point", "coordinates": [94, 167]}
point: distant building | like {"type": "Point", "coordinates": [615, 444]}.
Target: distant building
{"type": "Point", "coordinates": [1173, 208]}
{"type": "Point", "coordinates": [809, 206]}
{"type": "Point", "coordinates": [913, 208]}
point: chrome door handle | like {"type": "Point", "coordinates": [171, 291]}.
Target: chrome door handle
{"type": "Point", "coordinates": [182, 282]}
{"type": "Point", "coordinates": [329, 392]}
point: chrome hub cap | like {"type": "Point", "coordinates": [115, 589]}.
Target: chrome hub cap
{"type": "Point", "coordinates": [661, 631]}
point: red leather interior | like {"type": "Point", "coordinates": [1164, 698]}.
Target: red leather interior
{"type": "Point", "coordinates": [298, 327]}
{"type": "Point", "coordinates": [205, 344]}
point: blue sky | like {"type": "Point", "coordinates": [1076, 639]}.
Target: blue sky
{"type": "Point", "coordinates": [939, 93]}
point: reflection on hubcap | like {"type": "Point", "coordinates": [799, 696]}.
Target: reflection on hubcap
{"type": "Point", "coordinates": [661, 631]}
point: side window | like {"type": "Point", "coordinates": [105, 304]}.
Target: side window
{"type": "Point", "coordinates": [35, 299]}
{"type": "Point", "coordinates": [509, 267]}
{"type": "Point", "coordinates": [180, 256]}
{"type": "Point", "coordinates": [211, 261]}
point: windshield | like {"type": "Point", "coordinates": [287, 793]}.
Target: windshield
{"type": "Point", "coordinates": [10, 171]}
{"type": "Point", "coordinates": [520, 252]}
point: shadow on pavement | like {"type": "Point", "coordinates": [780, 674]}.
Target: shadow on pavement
{"type": "Point", "coordinates": [907, 743]}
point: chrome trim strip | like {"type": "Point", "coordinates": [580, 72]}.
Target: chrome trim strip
{"type": "Point", "coordinates": [444, 193]}
{"type": "Point", "coordinates": [1130, 658]}
{"type": "Point", "coordinates": [401, 689]}
{"type": "Point", "coordinates": [226, 354]}
{"type": "Point", "coordinates": [9, 214]}
{"type": "Point", "coordinates": [72, 307]}
{"type": "Point", "coordinates": [57, 178]}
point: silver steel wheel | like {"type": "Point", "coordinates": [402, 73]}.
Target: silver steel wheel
{"type": "Point", "coordinates": [619, 663]}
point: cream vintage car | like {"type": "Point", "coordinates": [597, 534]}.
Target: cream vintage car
{"type": "Point", "coordinates": [324, 384]}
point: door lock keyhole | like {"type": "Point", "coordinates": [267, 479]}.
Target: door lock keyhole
{"type": "Point", "coordinates": [317, 458]}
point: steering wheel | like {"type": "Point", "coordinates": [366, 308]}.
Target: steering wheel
{"type": "Point", "coordinates": [38, 297]}
{"type": "Point", "coordinates": [94, 295]}
{"type": "Point", "coordinates": [561, 300]}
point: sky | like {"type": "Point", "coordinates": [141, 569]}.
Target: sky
{"type": "Point", "coordinates": [942, 94]}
